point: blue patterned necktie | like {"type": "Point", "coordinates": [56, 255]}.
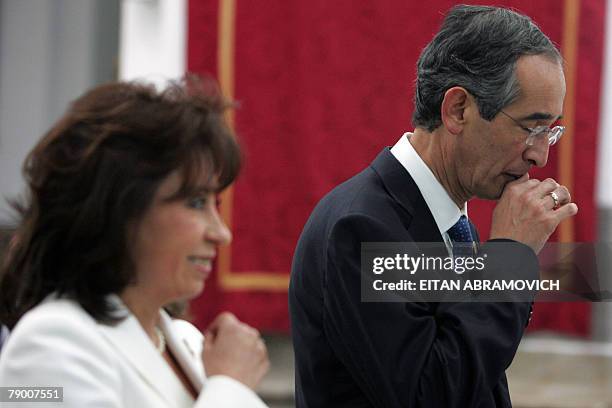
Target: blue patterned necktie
{"type": "Point", "coordinates": [461, 235]}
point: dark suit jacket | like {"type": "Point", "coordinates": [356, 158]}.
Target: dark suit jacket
{"type": "Point", "coordinates": [350, 353]}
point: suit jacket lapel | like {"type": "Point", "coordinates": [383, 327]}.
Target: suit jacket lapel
{"type": "Point", "coordinates": [131, 341]}
{"type": "Point", "coordinates": [400, 185]}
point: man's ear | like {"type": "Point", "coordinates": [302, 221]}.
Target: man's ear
{"type": "Point", "coordinates": [453, 108]}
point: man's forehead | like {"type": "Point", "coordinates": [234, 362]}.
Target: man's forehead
{"type": "Point", "coordinates": [542, 88]}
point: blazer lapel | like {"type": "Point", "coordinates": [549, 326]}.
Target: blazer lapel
{"type": "Point", "coordinates": [400, 185]}
{"type": "Point", "coordinates": [130, 340]}
{"type": "Point", "coordinates": [187, 358]}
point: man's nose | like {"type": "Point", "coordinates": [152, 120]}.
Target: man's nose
{"type": "Point", "coordinates": [537, 154]}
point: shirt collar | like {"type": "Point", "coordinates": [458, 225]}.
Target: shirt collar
{"type": "Point", "coordinates": [442, 207]}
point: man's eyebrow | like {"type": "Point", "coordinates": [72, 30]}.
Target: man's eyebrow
{"type": "Point", "coordinates": [541, 116]}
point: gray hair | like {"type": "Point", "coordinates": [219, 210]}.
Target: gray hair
{"type": "Point", "coordinates": [476, 48]}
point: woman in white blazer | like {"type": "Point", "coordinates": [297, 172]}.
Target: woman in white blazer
{"type": "Point", "coordinates": [121, 220]}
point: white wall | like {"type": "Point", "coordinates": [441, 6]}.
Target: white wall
{"type": "Point", "coordinates": [604, 171]}
{"type": "Point", "coordinates": [50, 52]}
{"type": "Point", "coordinates": [602, 312]}
{"type": "Point", "coordinates": [153, 40]}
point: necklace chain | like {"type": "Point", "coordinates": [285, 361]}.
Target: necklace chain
{"type": "Point", "coordinates": [161, 347]}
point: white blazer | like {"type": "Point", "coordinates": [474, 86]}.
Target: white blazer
{"type": "Point", "coordinates": [59, 344]}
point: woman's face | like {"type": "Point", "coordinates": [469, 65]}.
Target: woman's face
{"type": "Point", "coordinates": [175, 243]}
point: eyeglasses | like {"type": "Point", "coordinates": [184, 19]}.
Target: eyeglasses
{"type": "Point", "coordinates": [553, 134]}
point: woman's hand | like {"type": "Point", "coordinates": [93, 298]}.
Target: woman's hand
{"type": "Point", "coordinates": [235, 349]}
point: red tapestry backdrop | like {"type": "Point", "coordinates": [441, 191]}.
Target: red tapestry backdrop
{"type": "Point", "coordinates": [323, 87]}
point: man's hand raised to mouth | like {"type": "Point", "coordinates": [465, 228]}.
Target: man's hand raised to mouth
{"type": "Point", "coordinates": [530, 210]}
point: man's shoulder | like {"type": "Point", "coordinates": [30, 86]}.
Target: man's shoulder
{"type": "Point", "coordinates": [361, 200]}
{"type": "Point", "coordinates": [363, 193]}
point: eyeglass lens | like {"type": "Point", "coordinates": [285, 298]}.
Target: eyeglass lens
{"type": "Point", "coordinates": [553, 135]}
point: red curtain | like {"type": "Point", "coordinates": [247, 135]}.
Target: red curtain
{"type": "Point", "coordinates": [323, 86]}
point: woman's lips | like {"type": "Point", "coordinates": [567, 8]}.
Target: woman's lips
{"type": "Point", "coordinates": [202, 264]}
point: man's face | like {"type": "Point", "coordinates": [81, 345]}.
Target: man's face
{"type": "Point", "coordinates": [494, 153]}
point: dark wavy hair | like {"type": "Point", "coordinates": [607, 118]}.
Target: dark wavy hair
{"type": "Point", "coordinates": [95, 173]}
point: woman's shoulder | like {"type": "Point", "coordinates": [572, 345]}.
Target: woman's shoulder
{"type": "Point", "coordinates": [59, 328]}
{"type": "Point", "coordinates": [56, 312]}
{"type": "Point", "coordinates": [55, 341]}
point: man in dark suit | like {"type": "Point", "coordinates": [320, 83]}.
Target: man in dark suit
{"type": "Point", "coordinates": [490, 88]}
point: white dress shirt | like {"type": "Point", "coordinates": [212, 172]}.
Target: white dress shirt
{"type": "Point", "coordinates": [444, 210]}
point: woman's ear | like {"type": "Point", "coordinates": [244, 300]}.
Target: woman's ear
{"type": "Point", "coordinates": [453, 108]}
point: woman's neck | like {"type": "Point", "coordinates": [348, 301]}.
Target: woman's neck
{"type": "Point", "coordinates": [145, 311]}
